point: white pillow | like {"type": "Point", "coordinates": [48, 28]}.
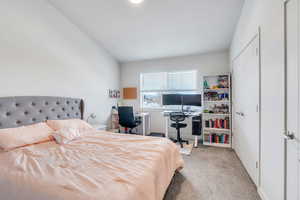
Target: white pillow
{"type": "Point", "coordinates": [66, 135]}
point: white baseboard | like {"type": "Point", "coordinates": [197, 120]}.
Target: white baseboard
{"type": "Point", "coordinates": [261, 193]}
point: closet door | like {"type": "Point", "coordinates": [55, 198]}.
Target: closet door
{"type": "Point", "coordinates": [292, 100]}
{"type": "Point", "coordinates": [246, 108]}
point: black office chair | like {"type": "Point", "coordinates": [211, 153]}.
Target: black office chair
{"type": "Point", "coordinates": [127, 119]}
{"type": "Point", "coordinates": [178, 117]}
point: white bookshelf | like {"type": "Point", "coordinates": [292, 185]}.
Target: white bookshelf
{"type": "Point", "coordinates": [216, 118]}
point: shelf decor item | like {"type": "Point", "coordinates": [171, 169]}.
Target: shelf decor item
{"type": "Point", "coordinates": [216, 116]}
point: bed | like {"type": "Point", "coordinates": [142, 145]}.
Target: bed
{"type": "Point", "coordinates": [100, 166]}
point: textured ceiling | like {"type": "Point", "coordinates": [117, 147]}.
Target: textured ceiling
{"type": "Point", "coordinates": [156, 28]}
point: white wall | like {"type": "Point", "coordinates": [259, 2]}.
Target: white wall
{"type": "Point", "coordinates": [42, 53]}
{"type": "Point", "coordinates": [268, 14]}
{"type": "Point", "coordinates": [211, 63]}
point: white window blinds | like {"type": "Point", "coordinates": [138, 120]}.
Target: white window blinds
{"type": "Point", "coordinates": [182, 80]}
{"type": "Point", "coordinates": [169, 81]}
{"type": "Point", "coordinates": [153, 81]}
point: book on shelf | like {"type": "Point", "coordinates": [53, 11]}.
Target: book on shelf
{"type": "Point", "coordinates": [218, 123]}
{"type": "Point", "coordinates": [217, 138]}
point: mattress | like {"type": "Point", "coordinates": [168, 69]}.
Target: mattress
{"type": "Point", "coordinates": [100, 166]}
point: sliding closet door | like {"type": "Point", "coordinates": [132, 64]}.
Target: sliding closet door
{"type": "Point", "coordinates": [246, 108]}
{"type": "Point", "coordinates": [292, 100]}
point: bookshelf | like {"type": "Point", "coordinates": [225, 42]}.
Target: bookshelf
{"type": "Point", "coordinates": [216, 118]}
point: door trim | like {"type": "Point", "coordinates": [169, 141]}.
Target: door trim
{"type": "Point", "coordinates": [285, 131]}
{"type": "Point", "coordinates": [259, 106]}
{"type": "Point", "coordinates": [285, 2]}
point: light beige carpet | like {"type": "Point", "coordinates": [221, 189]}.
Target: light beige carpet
{"type": "Point", "coordinates": [212, 174]}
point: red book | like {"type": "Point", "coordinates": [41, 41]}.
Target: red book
{"type": "Point", "coordinates": [226, 139]}
{"type": "Point", "coordinates": [225, 124]}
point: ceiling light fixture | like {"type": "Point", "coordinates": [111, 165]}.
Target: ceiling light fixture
{"type": "Point", "coordinates": [136, 1]}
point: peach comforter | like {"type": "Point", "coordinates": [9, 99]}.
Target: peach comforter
{"type": "Point", "coordinates": [103, 166]}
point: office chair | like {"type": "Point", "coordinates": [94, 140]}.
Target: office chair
{"type": "Point", "coordinates": [127, 119]}
{"type": "Point", "coordinates": [178, 117]}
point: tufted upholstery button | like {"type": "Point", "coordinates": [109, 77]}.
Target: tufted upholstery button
{"type": "Point", "coordinates": [52, 109]}
{"type": "Point", "coordinates": [18, 122]}
{"type": "Point", "coordinates": [40, 111]}
{"type": "Point", "coordinates": [47, 118]}
{"type": "Point", "coordinates": [26, 113]}
{"type": "Point", "coordinates": [8, 114]}
{"type": "Point", "coordinates": [57, 103]}
{"type": "Point", "coordinates": [68, 102]}
{"type": "Point", "coordinates": [72, 108]}
{"type": "Point", "coordinates": [63, 109]}
{"type": "Point", "coordinates": [68, 115]}
{"type": "Point", "coordinates": [46, 103]}
{"type": "Point", "coordinates": [33, 104]}
{"type": "Point", "coordinates": [76, 102]}
{"type": "Point", "coordinates": [58, 116]}
{"type": "Point", "coordinates": [77, 114]}
{"type": "Point", "coordinates": [33, 119]}
{"type": "Point", "coordinates": [17, 105]}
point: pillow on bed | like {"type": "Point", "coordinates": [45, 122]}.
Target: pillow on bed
{"type": "Point", "coordinates": [66, 135]}
{"type": "Point", "coordinates": [12, 138]}
{"type": "Point", "coordinates": [69, 123]}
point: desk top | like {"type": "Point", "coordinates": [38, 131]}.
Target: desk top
{"type": "Point", "coordinates": [190, 114]}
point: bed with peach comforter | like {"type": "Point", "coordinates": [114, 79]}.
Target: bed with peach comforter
{"type": "Point", "coordinates": [101, 166]}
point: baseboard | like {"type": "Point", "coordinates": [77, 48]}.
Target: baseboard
{"type": "Point", "coordinates": [261, 193]}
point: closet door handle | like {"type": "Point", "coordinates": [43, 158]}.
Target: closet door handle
{"type": "Point", "coordinates": [240, 114]}
{"type": "Point", "coordinates": [288, 135]}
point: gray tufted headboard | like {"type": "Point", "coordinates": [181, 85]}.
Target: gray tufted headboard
{"type": "Point", "coordinates": [20, 111]}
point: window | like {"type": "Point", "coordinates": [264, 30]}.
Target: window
{"type": "Point", "coordinates": [151, 99]}
{"type": "Point", "coordinates": [182, 81]}
{"type": "Point", "coordinates": [153, 85]}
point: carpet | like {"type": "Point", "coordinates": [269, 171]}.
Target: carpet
{"type": "Point", "coordinates": [211, 173]}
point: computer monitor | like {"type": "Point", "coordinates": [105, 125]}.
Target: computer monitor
{"type": "Point", "coordinates": [191, 99]}
{"type": "Point", "coordinates": [171, 99]}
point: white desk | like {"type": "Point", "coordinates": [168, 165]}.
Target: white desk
{"type": "Point", "coordinates": [146, 121]}
{"type": "Point", "coordinates": [166, 115]}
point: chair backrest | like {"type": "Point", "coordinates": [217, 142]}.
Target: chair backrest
{"type": "Point", "coordinates": [126, 116]}
{"type": "Point", "coordinates": [177, 116]}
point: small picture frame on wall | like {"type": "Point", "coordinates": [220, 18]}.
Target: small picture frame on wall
{"type": "Point", "coordinates": [114, 94]}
